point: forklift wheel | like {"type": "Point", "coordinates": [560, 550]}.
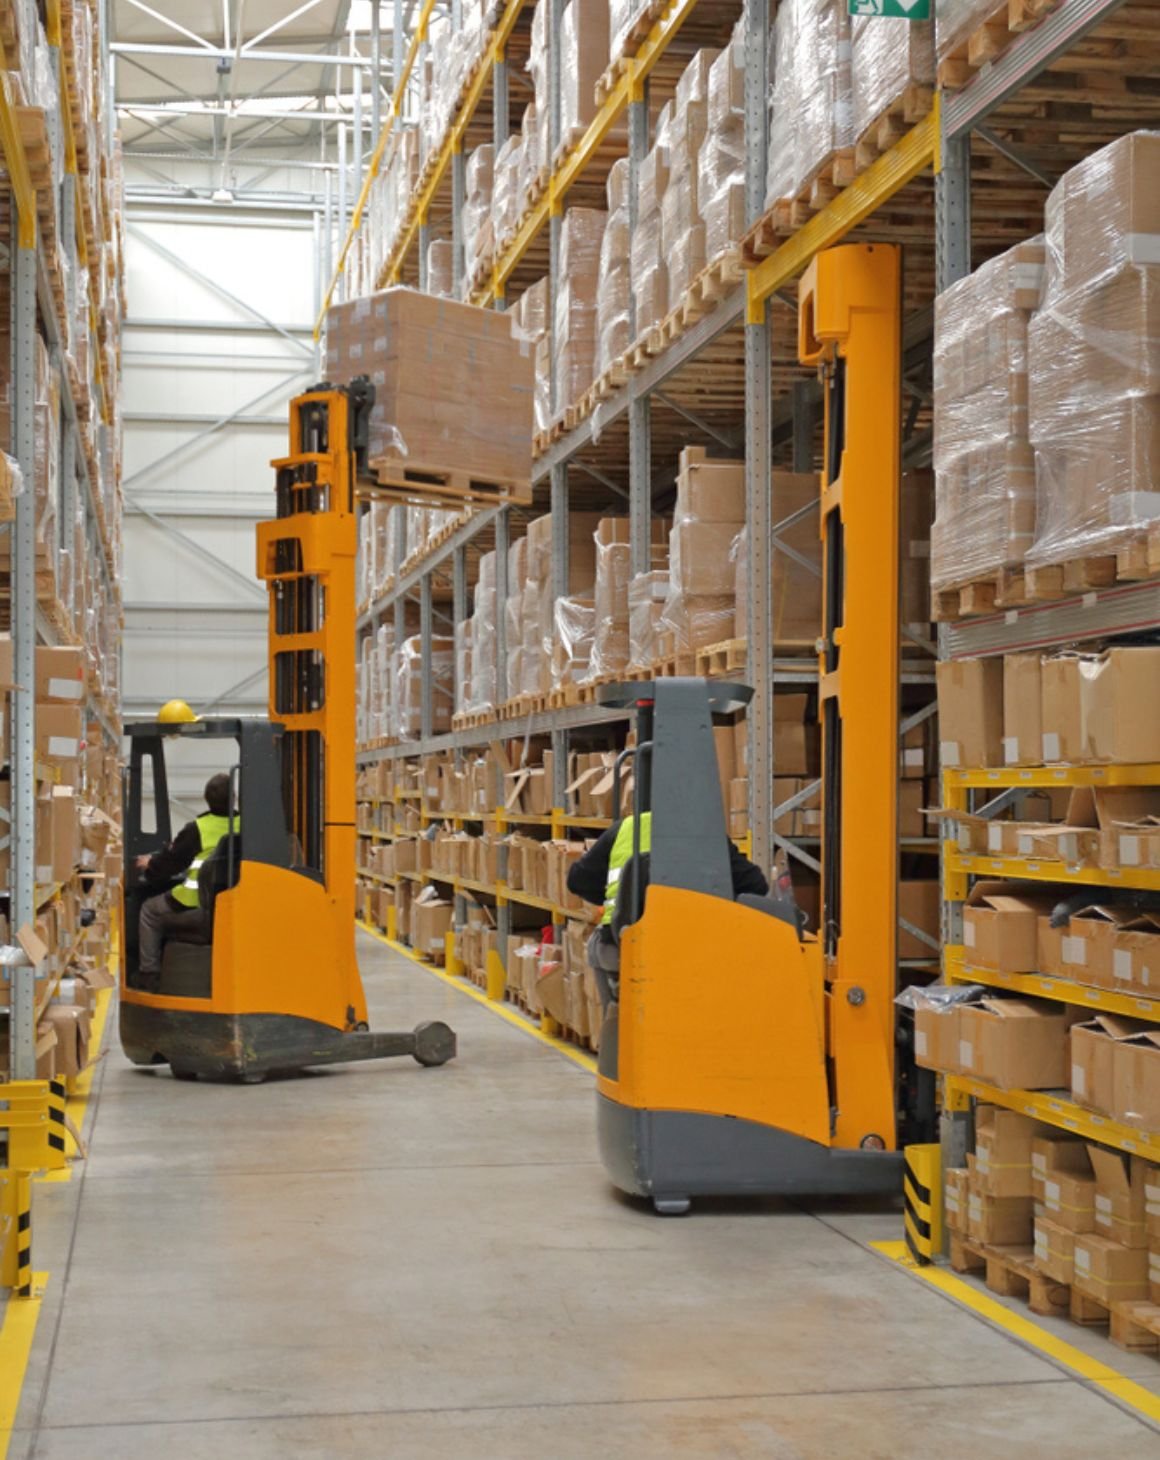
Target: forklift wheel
{"type": "Point", "coordinates": [434, 1043]}
{"type": "Point", "coordinates": [181, 1074]}
{"type": "Point", "coordinates": [671, 1206]}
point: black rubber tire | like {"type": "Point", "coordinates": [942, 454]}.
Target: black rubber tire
{"type": "Point", "coordinates": [182, 1074]}
{"type": "Point", "coordinates": [435, 1043]}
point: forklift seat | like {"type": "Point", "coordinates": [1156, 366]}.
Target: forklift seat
{"type": "Point", "coordinates": [187, 957]}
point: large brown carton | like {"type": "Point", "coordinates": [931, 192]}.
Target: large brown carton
{"type": "Point", "coordinates": [1136, 956]}
{"type": "Point", "coordinates": [1069, 1199]}
{"type": "Point", "coordinates": [700, 557]}
{"type": "Point", "coordinates": [1136, 1080]}
{"type": "Point", "coordinates": [1022, 709]}
{"type": "Point", "coordinates": [1088, 949]}
{"type": "Point", "coordinates": [1109, 1272]}
{"type": "Point", "coordinates": [1001, 927]}
{"type": "Point", "coordinates": [430, 924]}
{"type": "Point", "coordinates": [1121, 705]}
{"type": "Point", "coordinates": [1093, 1044]}
{"type": "Point", "coordinates": [970, 709]}
{"type": "Point", "coordinates": [1052, 1153]}
{"type": "Point", "coordinates": [1003, 1141]}
{"type": "Point", "coordinates": [1105, 207]}
{"type": "Point", "coordinates": [710, 489]}
{"type": "Point", "coordinates": [1000, 1221]}
{"type": "Point", "coordinates": [1017, 1044]}
{"type": "Point", "coordinates": [1054, 1250]}
{"type": "Point", "coordinates": [1120, 1196]}
{"type": "Point", "coordinates": [936, 1036]}
{"type": "Point", "coordinates": [454, 388]}
{"type": "Point", "coordinates": [920, 903]}
{"type": "Point", "coordinates": [1061, 710]}
{"type": "Point", "coordinates": [956, 1198]}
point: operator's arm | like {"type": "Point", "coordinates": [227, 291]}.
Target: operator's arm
{"type": "Point", "coordinates": [747, 876]}
{"type": "Point", "coordinates": [588, 878]}
{"type": "Point", "coordinates": [166, 864]}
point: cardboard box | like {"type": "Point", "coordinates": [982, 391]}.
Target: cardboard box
{"type": "Point", "coordinates": [1152, 1206]}
{"type": "Point", "coordinates": [1109, 1272]}
{"type": "Point", "coordinates": [1054, 1250]}
{"type": "Point", "coordinates": [936, 1036]}
{"type": "Point", "coordinates": [1136, 1080]}
{"type": "Point", "coordinates": [970, 711]}
{"type": "Point", "coordinates": [1120, 1196]}
{"type": "Point", "coordinates": [430, 924]}
{"type": "Point", "coordinates": [1001, 927]}
{"type": "Point", "coordinates": [73, 1026]}
{"type": "Point", "coordinates": [1054, 1153]}
{"type": "Point", "coordinates": [1136, 956]}
{"type": "Point", "coordinates": [1061, 710]}
{"type": "Point", "coordinates": [1016, 1044]}
{"type": "Point", "coordinates": [1121, 705]}
{"type": "Point", "coordinates": [1089, 945]}
{"type": "Point", "coordinates": [1069, 1199]}
{"type": "Point", "coordinates": [1001, 1221]}
{"type": "Point", "coordinates": [700, 557]}
{"type": "Point", "coordinates": [710, 489]}
{"type": "Point", "coordinates": [1003, 1140]}
{"type": "Point", "coordinates": [956, 1199]}
{"type": "Point", "coordinates": [1092, 1046]}
{"type": "Point", "coordinates": [60, 738]}
{"type": "Point", "coordinates": [1022, 709]}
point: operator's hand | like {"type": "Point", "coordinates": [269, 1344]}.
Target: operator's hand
{"type": "Point", "coordinates": [142, 863]}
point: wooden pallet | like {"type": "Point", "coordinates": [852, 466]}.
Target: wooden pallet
{"type": "Point", "coordinates": [639, 30]}
{"type": "Point", "coordinates": [988, 41]}
{"type": "Point", "coordinates": [888, 127]}
{"type": "Point", "coordinates": [1011, 1272]}
{"type": "Point", "coordinates": [1005, 588]}
{"type": "Point", "coordinates": [724, 658]}
{"type": "Point", "coordinates": [405, 481]}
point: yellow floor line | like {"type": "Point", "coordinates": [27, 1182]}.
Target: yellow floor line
{"type": "Point", "coordinates": [1101, 1376]}
{"type": "Point", "coordinates": [460, 985]}
{"type": "Point", "coordinates": [16, 1337]}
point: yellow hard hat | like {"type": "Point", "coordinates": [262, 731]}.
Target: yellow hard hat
{"type": "Point", "coordinates": [176, 712]}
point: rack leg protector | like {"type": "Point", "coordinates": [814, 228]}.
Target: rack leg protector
{"type": "Point", "coordinates": [922, 1209]}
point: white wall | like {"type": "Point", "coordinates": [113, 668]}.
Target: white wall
{"type": "Point", "coordinates": [193, 629]}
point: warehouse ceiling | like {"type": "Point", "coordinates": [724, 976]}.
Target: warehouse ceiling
{"type": "Point", "coordinates": [243, 84]}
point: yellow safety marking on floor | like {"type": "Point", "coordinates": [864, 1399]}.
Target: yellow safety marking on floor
{"type": "Point", "coordinates": [15, 1346]}
{"type": "Point", "coordinates": [78, 1101]}
{"type": "Point", "coordinates": [1092, 1371]}
{"type": "Point", "coordinates": [577, 1056]}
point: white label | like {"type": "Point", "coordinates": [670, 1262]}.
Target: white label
{"type": "Point", "coordinates": [1026, 843]}
{"type": "Point", "coordinates": [63, 747]}
{"type": "Point", "coordinates": [1122, 964]}
{"type": "Point", "coordinates": [65, 689]}
{"type": "Point", "coordinates": [968, 935]}
{"type": "Point", "coordinates": [1010, 749]}
{"type": "Point", "coordinates": [966, 1054]}
{"type": "Point", "coordinates": [1152, 1193]}
{"type": "Point", "coordinates": [44, 874]}
{"type": "Point", "coordinates": [975, 1205]}
{"type": "Point", "coordinates": [1103, 1205]}
{"type": "Point", "coordinates": [1042, 1247]}
{"type": "Point", "coordinates": [1027, 276]}
{"type": "Point", "coordinates": [1154, 1266]}
{"type": "Point", "coordinates": [1038, 1161]}
{"type": "Point", "coordinates": [1129, 849]}
{"type": "Point", "coordinates": [1078, 1080]}
{"type": "Point", "coordinates": [949, 752]}
{"type": "Point", "coordinates": [1083, 1259]}
{"type": "Point", "coordinates": [994, 838]}
{"type": "Point", "coordinates": [1074, 950]}
{"type": "Point", "coordinates": [920, 1042]}
{"type": "Point", "coordinates": [952, 1203]}
{"type": "Point", "coordinates": [1051, 745]}
{"type": "Point", "coordinates": [1143, 248]}
{"type": "Point", "coordinates": [982, 1158]}
{"type": "Point", "coordinates": [1051, 1194]}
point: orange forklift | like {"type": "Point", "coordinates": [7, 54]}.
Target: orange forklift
{"type": "Point", "coordinates": [268, 979]}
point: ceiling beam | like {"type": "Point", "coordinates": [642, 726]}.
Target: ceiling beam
{"type": "Point", "coordinates": [218, 53]}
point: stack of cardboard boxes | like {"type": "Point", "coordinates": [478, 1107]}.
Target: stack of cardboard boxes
{"type": "Point", "coordinates": [710, 512]}
{"type": "Point", "coordinates": [809, 103]}
{"type": "Point", "coordinates": [574, 320]}
{"type": "Point", "coordinates": [614, 295]}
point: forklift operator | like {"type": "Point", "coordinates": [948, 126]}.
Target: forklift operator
{"type": "Point", "coordinates": [193, 844]}
{"type": "Point", "coordinates": [596, 878]}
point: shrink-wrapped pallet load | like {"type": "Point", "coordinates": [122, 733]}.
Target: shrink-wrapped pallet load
{"type": "Point", "coordinates": [648, 266]}
{"type": "Point", "coordinates": [721, 161]}
{"type": "Point", "coordinates": [891, 69]}
{"type": "Point", "coordinates": [810, 121]}
{"type": "Point", "coordinates": [984, 465]}
{"type": "Point", "coordinates": [614, 295]}
{"type": "Point", "coordinates": [574, 322]}
{"type": "Point", "coordinates": [1094, 358]}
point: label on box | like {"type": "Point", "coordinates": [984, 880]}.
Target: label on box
{"type": "Point", "coordinates": [1152, 1197]}
{"type": "Point", "coordinates": [1042, 1246]}
{"type": "Point", "coordinates": [64, 747]}
{"type": "Point", "coordinates": [966, 1053]}
{"type": "Point", "coordinates": [1154, 1266]}
{"type": "Point", "coordinates": [1083, 1258]}
{"type": "Point", "coordinates": [995, 838]}
{"type": "Point", "coordinates": [949, 752]}
{"type": "Point", "coordinates": [1104, 1211]}
{"type": "Point", "coordinates": [1074, 950]}
{"type": "Point", "coordinates": [982, 1158]}
{"type": "Point", "coordinates": [1051, 745]}
{"type": "Point", "coordinates": [1038, 1161]}
{"type": "Point", "coordinates": [66, 689]}
{"type": "Point", "coordinates": [968, 935]}
{"type": "Point", "coordinates": [1078, 1080]}
{"type": "Point", "coordinates": [1010, 749]}
{"type": "Point", "coordinates": [1027, 277]}
{"type": "Point", "coordinates": [1143, 248]}
{"type": "Point", "coordinates": [1052, 1195]}
{"type": "Point", "coordinates": [1129, 850]}
{"type": "Point", "coordinates": [975, 1204]}
{"type": "Point", "coordinates": [952, 1204]}
{"type": "Point", "coordinates": [1122, 964]}
{"type": "Point", "coordinates": [1026, 844]}
{"type": "Point", "coordinates": [920, 1042]}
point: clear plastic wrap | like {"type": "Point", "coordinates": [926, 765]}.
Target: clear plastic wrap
{"type": "Point", "coordinates": [575, 625]}
{"type": "Point", "coordinates": [623, 16]}
{"type": "Point", "coordinates": [985, 471]}
{"type": "Point", "coordinates": [507, 197]}
{"type": "Point", "coordinates": [721, 185]}
{"type": "Point", "coordinates": [1094, 398]}
{"type": "Point", "coordinates": [710, 511]}
{"type": "Point", "coordinates": [647, 593]}
{"type": "Point", "coordinates": [478, 236]}
{"type": "Point", "coordinates": [538, 70]}
{"type": "Point", "coordinates": [809, 95]}
{"type": "Point", "coordinates": [532, 322]}
{"type": "Point", "coordinates": [583, 39]}
{"type": "Point", "coordinates": [439, 268]}
{"type": "Point", "coordinates": [532, 156]}
{"type": "Point", "coordinates": [575, 316]}
{"type": "Point", "coordinates": [484, 638]}
{"type": "Point", "coordinates": [610, 641]}
{"type": "Point", "coordinates": [647, 264]}
{"type": "Point", "coordinates": [886, 56]}
{"type": "Point", "coordinates": [409, 687]}
{"type": "Point", "coordinates": [614, 297]}
{"type": "Point", "coordinates": [954, 22]}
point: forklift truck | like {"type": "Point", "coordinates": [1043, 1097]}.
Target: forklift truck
{"type": "Point", "coordinates": [269, 978]}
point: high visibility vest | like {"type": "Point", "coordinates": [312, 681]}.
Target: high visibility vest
{"type": "Point", "coordinates": [211, 829]}
{"type": "Point", "coordinates": [621, 856]}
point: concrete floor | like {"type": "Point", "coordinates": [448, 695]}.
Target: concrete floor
{"type": "Point", "coordinates": [408, 1263]}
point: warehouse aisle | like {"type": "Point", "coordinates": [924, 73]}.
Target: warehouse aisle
{"type": "Point", "coordinates": [393, 1261]}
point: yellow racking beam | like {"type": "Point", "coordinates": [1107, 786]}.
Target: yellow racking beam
{"type": "Point", "coordinates": [15, 161]}
{"type": "Point", "coordinates": [1045, 986]}
{"type": "Point", "coordinates": [909, 156]}
{"type": "Point", "coordinates": [1055, 775]}
{"type": "Point", "coordinates": [1041, 1105]}
{"type": "Point", "coordinates": [1043, 869]}
{"type": "Point", "coordinates": [453, 142]}
{"type": "Point", "coordinates": [377, 156]}
{"type": "Point", "coordinates": [627, 89]}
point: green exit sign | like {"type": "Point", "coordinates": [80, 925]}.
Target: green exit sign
{"type": "Point", "coordinates": [897, 9]}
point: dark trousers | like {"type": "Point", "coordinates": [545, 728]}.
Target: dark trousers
{"type": "Point", "coordinates": [604, 960]}
{"type": "Point", "coordinates": [161, 915]}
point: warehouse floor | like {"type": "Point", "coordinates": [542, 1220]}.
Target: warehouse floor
{"type": "Point", "coordinates": [395, 1261]}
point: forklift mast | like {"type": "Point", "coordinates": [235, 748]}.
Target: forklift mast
{"type": "Point", "coordinates": [849, 327]}
{"type": "Point", "coordinates": [306, 555]}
